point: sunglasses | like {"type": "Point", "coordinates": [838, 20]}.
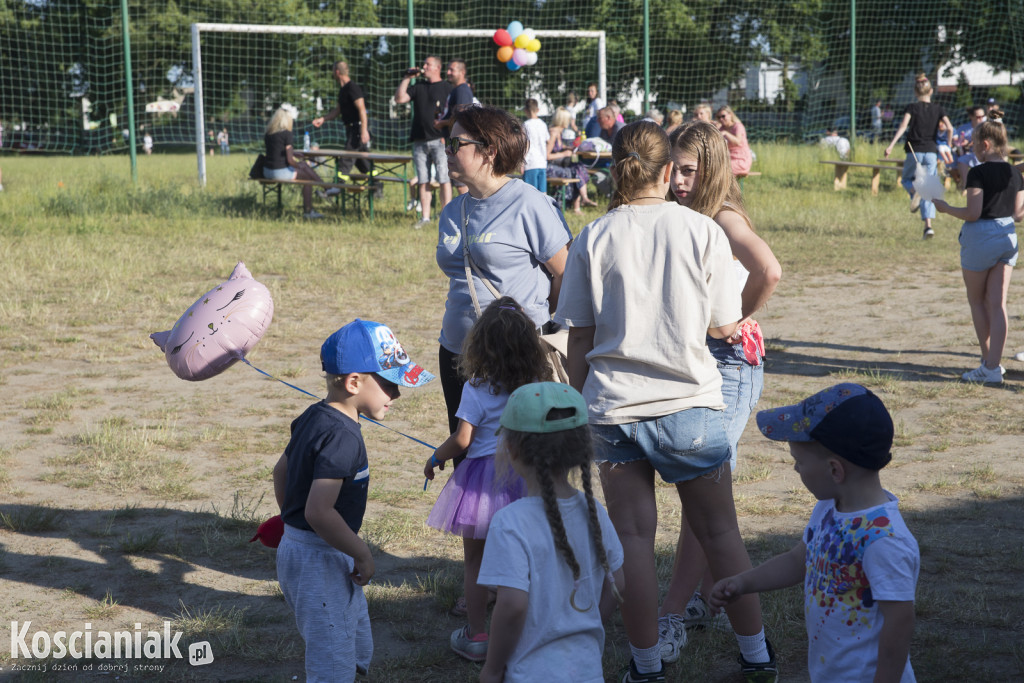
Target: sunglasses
{"type": "Point", "coordinates": [722, 116]}
{"type": "Point", "coordinates": [455, 143]}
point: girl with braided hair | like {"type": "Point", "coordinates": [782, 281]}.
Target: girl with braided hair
{"type": "Point", "coordinates": [501, 353]}
{"type": "Point", "coordinates": [553, 555]}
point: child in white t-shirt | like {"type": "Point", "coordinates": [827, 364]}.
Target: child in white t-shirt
{"type": "Point", "coordinates": [553, 556]}
{"type": "Point", "coordinates": [857, 560]}
{"type": "Point", "coordinates": [535, 166]}
{"type": "Point", "coordinates": [501, 353]}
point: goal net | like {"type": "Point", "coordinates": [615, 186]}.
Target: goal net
{"type": "Point", "coordinates": [788, 69]}
{"type": "Point", "coordinates": [293, 64]}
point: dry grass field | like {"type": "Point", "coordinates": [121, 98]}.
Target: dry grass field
{"type": "Point", "coordinates": [128, 496]}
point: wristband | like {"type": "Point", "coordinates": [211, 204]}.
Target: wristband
{"type": "Point", "coordinates": [433, 461]}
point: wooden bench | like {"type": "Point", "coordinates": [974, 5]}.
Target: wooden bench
{"type": "Point", "coordinates": [347, 191]}
{"type": "Point", "coordinates": [560, 185]}
{"type": "Point", "coordinates": [842, 167]}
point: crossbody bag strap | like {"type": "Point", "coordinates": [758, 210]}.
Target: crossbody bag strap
{"type": "Point", "coordinates": [471, 267]}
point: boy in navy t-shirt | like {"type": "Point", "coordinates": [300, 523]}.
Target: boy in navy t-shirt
{"type": "Point", "coordinates": [321, 483]}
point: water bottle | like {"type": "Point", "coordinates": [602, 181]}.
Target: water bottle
{"type": "Point", "coordinates": [305, 141]}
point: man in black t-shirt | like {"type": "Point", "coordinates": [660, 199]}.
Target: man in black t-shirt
{"type": "Point", "coordinates": [428, 96]}
{"type": "Point", "coordinates": [460, 96]}
{"type": "Point", "coordinates": [352, 109]}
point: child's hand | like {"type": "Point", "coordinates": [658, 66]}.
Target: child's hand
{"type": "Point", "coordinates": [428, 469]}
{"type": "Point", "coordinates": [940, 205]}
{"type": "Point", "coordinates": [725, 591]}
{"type": "Point", "coordinates": [364, 569]}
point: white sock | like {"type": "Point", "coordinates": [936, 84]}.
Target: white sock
{"type": "Point", "coordinates": [648, 661]}
{"type": "Point", "coordinates": [753, 648]}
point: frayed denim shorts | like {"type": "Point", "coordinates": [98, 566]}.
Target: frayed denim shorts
{"type": "Point", "coordinates": [986, 242]}
{"type": "Point", "coordinates": [286, 173]}
{"type": "Point", "coordinates": [680, 446]}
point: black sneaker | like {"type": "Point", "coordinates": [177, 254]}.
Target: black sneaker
{"type": "Point", "coordinates": [928, 233]}
{"type": "Point", "coordinates": [760, 672]}
{"type": "Point", "coordinates": [634, 676]}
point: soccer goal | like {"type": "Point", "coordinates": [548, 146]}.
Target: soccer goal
{"type": "Point", "coordinates": [242, 72]}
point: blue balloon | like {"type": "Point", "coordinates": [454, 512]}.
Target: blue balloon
{"type": "Point", "coordinates": [514, 29]}
{"type": "Point", "coordinates": [512, 66]}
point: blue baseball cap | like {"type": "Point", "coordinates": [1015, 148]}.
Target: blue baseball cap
{"type": "Point", "coordinates": [364, 346]}
{"type": "Point", "coordinates": [847, 419]}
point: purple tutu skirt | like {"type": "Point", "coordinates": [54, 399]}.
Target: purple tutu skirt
{"type": "Point", "coordinates": [473, 494]}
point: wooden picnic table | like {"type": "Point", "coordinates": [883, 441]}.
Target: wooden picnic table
{"type": "Point", "coordinates": [842, 167]}
{"type": "Point", "coordinates": [384, 167]}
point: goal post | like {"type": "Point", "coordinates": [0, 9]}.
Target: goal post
{"type": "Point", "coordinates": [241, 72]}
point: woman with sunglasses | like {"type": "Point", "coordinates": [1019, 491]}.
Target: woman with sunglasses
{"type": "Point", "coordinates": [517, 237]}
{"type": "Point", "coordinates": [735, 134]}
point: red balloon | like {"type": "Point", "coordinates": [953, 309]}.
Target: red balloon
{"type": "Point", "coordinates": [502, 38]}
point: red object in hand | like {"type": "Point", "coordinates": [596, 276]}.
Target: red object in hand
{"type": "Point", "coordinates": [270, 532]}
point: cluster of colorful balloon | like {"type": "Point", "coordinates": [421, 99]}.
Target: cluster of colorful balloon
{"type": "Point", "coordinates": [517, 46]}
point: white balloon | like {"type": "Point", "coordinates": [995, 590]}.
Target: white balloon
{"type": "Point", "coordinates": [530, 33]}
{"type": "Point", "coordinates": [531, 58]}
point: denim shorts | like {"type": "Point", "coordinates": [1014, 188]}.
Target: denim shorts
{"type": "Point", "coordinates": [984, 243]}
{"type": "Point", "coordinates": [742, 384]}
{"type": "Point", "coordinates": [286, 173]}
{"type": "Point", "coordinates": [427, 152]}
{"type": "Point", "coordinates": [680, 446]}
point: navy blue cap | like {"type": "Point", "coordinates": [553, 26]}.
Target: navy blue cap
{"type": "Point", "coordinates": [847, 419]}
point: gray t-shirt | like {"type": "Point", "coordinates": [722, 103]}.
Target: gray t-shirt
{"type": "Point", "coordinates": [511, 233]}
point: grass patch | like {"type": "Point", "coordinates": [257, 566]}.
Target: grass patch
{"type": "Point", "coordinates": [103, 609]}
{"type": "Point", "coordinates": [122, 457]}
{"type": "Point", "coordinates": [32, 519]}
{"type": "Point", "coordinates": [54, 408]}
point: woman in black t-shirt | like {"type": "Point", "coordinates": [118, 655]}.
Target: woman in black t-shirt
{"type": "Point", "coordinates": [280, 163]}
{"type": "Point", "coordinates": [988, 244]}
{"type": "Point", "coordinates": [921, 122]}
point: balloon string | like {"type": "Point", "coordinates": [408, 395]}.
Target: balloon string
{"type": "Point", "coordinates": [299, 389]}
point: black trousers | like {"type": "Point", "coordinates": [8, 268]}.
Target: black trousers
{"type": "Point", "coordinates": [354, 142]}
{"type": "Point", "coordinates": [451, 386]}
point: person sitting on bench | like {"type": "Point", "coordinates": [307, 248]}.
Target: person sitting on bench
{"type": "Point", "coordinates": [281, 164]}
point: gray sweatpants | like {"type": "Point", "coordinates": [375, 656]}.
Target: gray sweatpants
{"type": "Point", "coordinates": [330, 610]}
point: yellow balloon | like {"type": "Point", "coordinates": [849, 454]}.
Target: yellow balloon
{"type": "Point", "coordinates": [504, 53]}
{"type": "Point", "coordinates": [522, 40]}
{"type": "Point", "coordinates": [533, 45]}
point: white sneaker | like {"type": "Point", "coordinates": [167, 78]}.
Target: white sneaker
{"type": "Point", "coordinates": [312, 215]}
{"type": "Point", "coordinates": [421, 222]}
{"type": "Point", "coordinates": [698, 615]}
{"type": "Point", "coordinates": [332, 191]}
{"type": "Point", "coordinates": [928, 233]}
{"type": "Point", "coordinates": [984, 375]}
{"type": "Point", "coordinates": [671, 637]}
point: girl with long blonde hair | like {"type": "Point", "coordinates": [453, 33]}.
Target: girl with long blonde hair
{"type": "Point", "coordinates": [703, 181]}
{"type": "Point", "coordinates": [644, 286]}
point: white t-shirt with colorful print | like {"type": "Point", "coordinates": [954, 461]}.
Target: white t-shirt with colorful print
{"type": "Point", "coordinates": [853, 560]}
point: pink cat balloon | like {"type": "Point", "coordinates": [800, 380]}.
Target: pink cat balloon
{"type": "Point", "coordinates": [218, 329]}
